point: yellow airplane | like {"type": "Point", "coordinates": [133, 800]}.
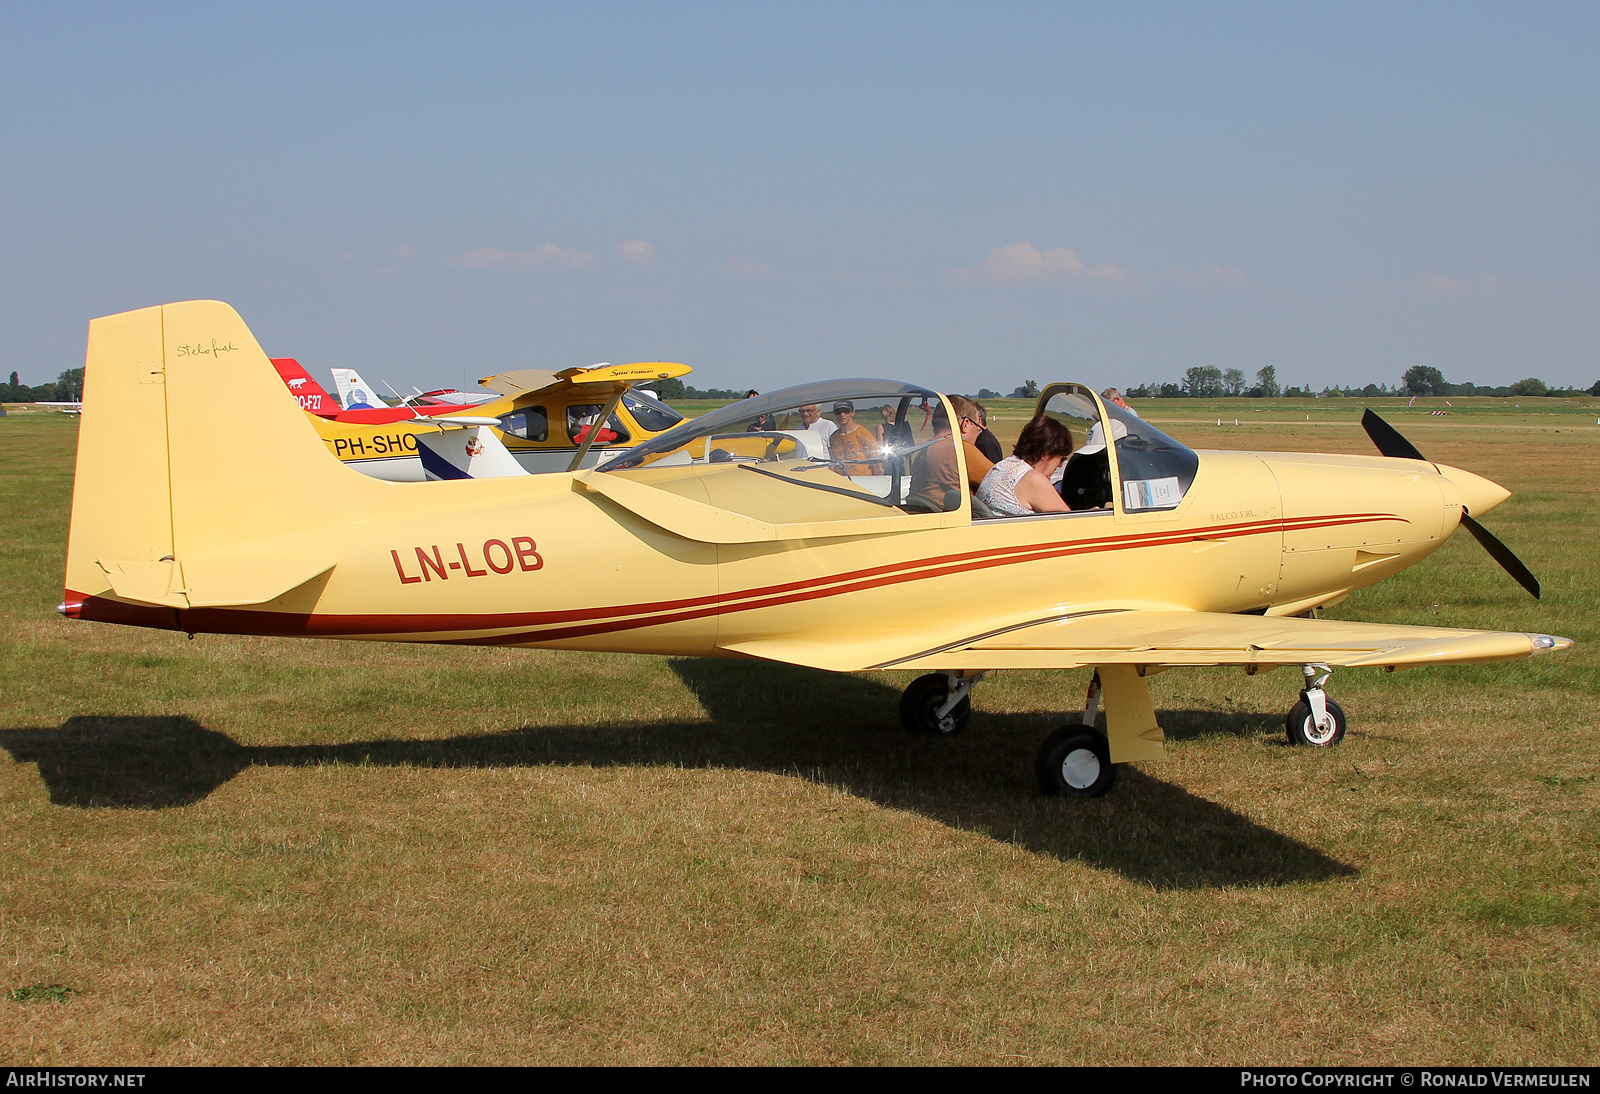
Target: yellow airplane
{"type": "Point", "coordinates": [543, 420]}
{"type": "Point", "coordinates": [739, 534]}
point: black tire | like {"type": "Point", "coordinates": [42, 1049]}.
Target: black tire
{"type": "Point", "coordinates": [1075, 762]}
{"type": "Point", "coordinates": [921, 702]}
{"type": "Point", "coordinates": [1303, 731]}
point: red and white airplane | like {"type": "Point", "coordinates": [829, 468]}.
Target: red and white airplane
{"type": "Point", "coordinates": [356, 403]}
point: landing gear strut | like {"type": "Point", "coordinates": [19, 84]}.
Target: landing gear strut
{"type": "Point", "coordinates": [938, 704]}
{"type": "Point", "coordinates": [1315, 720]}
{"type": "Point", "coordinates": [1075, 761]}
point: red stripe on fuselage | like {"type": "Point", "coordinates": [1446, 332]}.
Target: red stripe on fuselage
{"type": "Point", "coordinates": [587, 621]}
{"type": "Point", "coordinates": [816, 588]}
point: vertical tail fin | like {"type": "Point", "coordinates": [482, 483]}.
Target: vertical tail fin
{"type": "Point", "coordinates": [354, 392]}
{"type": "Point", "coordinates": [313, 397]}
{"type": "Point", "coordinates": [168, 474]}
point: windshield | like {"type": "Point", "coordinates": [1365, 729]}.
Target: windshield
{"type": "Point", "coordinates": [879, 442]}
{"type": "Point", "coordinates": [651, 413]}
{"type": "Point", "coordinates": [1156, 470]}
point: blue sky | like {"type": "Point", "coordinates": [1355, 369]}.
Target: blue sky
{"type": "Point", "coordinates": [963, 195]}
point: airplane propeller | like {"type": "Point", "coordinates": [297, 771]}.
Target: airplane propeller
{"type": "Point", "coordinates": [1391, 443]}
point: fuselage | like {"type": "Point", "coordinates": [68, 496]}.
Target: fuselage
{"type": "Point", "coordinates": [545, 561]}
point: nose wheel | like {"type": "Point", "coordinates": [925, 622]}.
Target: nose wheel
{"type": "Point", "coordinates": [1315, 720]}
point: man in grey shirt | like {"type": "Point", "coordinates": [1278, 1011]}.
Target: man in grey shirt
{"type": "Point", "coordinates": [1114, 397]}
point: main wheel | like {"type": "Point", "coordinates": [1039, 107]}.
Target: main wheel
{"type": "Point", "coordinates": [1075, 762]}
{"type": "Point", "coordinates": [1303, 730]}
{"type": "Point", "coordinates": [919, 707]}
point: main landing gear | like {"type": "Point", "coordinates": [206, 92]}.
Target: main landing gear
{"type": "Point", "coordinates": [1315, 720]}
{"type": "Point", "coordinates": [1074, 761]}
{"type": "Point", "coordinates": [938, 704]}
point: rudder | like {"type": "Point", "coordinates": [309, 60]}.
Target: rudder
{"type": "Point", "coordinates": [121, 496]}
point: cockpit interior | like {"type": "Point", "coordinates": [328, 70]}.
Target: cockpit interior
{"type": "Point", "coordinates": [836, 449]}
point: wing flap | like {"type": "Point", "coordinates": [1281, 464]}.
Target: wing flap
{"type": "Point", "coordinates": [705, 523]}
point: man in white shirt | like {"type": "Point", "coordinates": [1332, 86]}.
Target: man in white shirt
{"type": "Point", "coordinates": [811, 418]}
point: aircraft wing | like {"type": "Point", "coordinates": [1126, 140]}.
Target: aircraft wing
{"type": "Point", "coordinates": [1171, 638]}
{"type": "Point", "coordinates": [521, 380]}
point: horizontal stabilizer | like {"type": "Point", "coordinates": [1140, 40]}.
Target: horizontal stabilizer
{"type": "Point", "coordinates": [145, 582]}
{"type": "Point", "coordinates": [216, 581]}
{"type": "Point", "coordinates": [473, 453]}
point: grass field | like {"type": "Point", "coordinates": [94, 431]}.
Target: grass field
{"type": "Point", "coordinates": [236, 850]}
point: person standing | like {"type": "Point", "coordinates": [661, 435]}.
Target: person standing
{"type": "Point", "coordinates": [811, 418]}
{"type": "Point", "coordinates": [987, 442]}
{"type": "Point", "coordinates": [763, 423]}
{"type": "Point", "coordinates": [1114, 397]}
{"type": "Point", "coordinates": [853, 444]}
{"type": "Point", "coordinates": [893, 433]}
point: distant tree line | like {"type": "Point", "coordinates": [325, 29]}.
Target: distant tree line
{"type": "Point", "coordinates": [1210, 382]}
{"type": "Point", "coordinates": [677, 389]}
{"type": "Point", "coordinates": [1028, 389]}
{"type": "Point", "coordinates": [68, 388]}
{"type": "Point", "coordinates": [1427, 380]}
{"type": "Point", "coordinates": [1200, 382]}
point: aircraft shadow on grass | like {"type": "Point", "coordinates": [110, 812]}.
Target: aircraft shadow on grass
{"type": "Point", "coordinates": [838, 731]}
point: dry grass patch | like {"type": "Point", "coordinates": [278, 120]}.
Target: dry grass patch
{"type": "Point", "coordinates": [241, 850]}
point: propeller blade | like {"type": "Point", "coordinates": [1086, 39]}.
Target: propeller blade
{"type": "Point", "coordinates": [1390, 443]}
{"type": "Point", "coordinates": [1388, 439]}
{"type": "Point", "coordinates": [1501, 554]}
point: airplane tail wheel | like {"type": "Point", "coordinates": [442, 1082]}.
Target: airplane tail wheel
{"type": "Point", "coordinates": [1075, 762]}
{"type": "Point", "coordinates": [919, 708]}
{"type": "Point", "coordinates": [1303, 729]}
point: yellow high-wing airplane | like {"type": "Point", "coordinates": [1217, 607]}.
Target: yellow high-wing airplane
{"type": "Point", "coordinates": [543, 420]}
{"type": "Point", "coordinates": [744, 534]}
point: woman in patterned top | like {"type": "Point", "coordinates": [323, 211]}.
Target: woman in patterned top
{"type": "Point", "coordinates": [1020, 483]}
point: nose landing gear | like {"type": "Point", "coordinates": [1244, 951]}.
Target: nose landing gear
{"type": "Point", "coordinates": [1315, 720]}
